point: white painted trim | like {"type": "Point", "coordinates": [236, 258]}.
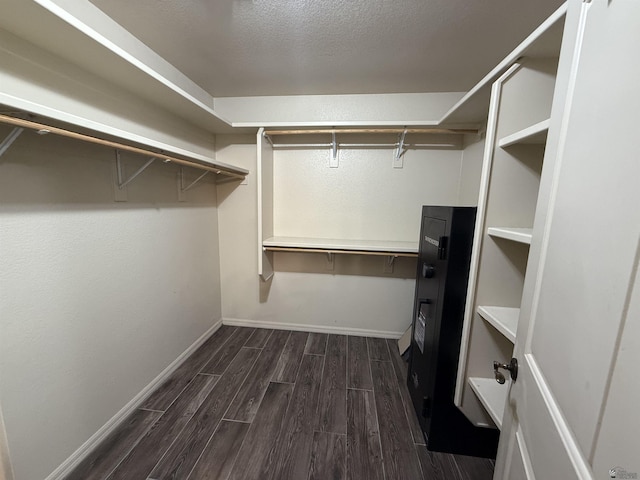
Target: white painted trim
{"type": "Point", "coordinates": [259, 140]}
{"type": "Point", "coordinates": [347, 123]}
{"type": "Point", "coordinates": [94, 441]}
{"type": "Point", "coordinates": [360, 332]}
{"type": "Point", "coordinates": [569, 441]}
{"type": "Point", "coordinates": [6, 469]}
{"type": "Point", "coordinates": [524, 455]}
{"type": "Point", "coordinates": [478, 234]}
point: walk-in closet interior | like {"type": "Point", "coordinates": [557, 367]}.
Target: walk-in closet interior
{"type": "Point", "coordinates": [290, 240]}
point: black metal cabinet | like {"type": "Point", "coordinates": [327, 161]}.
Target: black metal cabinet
{"type": "Point", "coordinates": [446, 238]}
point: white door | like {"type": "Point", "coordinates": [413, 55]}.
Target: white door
{"type": "Point", "coordinates": [573, 410]}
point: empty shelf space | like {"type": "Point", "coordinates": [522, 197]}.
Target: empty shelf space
{"type": "Point", "coordinates": [504, 319]}
{"type": "Point", "coordinates": [492, 395]}
{"type": "Point", "coordinates": [533, 135]}
{"type": "Point", "coordinates": [520, 235]}
{"type": "Point", "coordinates": [331, 245]}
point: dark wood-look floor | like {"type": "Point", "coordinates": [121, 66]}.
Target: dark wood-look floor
{"type": "Point", "coordinates": [277, 405]}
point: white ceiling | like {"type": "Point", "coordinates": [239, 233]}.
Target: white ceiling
{"type": "Point", "coordinates": [291, 47]}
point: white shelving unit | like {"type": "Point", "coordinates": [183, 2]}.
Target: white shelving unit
{"type": "Point", "coordinates": [340, 191]}
{"type": "Point", "coordinates": [533, 135]}
{"type": "Point", "coordinates": [544, 42]}
{"type": "Point", "coordinates": [492, 395]}
{"type": "Point", "coordinates": [520, 235]}
{"type": "Point", "coordinates": [504, 319]}
{"type": "Point", "coordinates": [517, 129]}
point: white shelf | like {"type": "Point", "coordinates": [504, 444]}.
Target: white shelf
{"type": "Point", "coordinates": [533, 135]}
{"type": "Point", "coordinates": [492, 395]}
{"type": "Point", "coordinates": [520, 235]}
{"type": "Point", "coordinates": [331, 244]}
{"type": "Point", "coordinates": [504, 319]}
{"type": "Point", "coordinates": [544, 42]}
{"type": "Point", "coordinates": [83, 35]}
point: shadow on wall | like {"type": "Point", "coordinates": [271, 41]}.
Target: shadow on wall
{"type": "Point", "coordinates": [64, 173]}
{"type": "Point", "coordinates": [345, 264]}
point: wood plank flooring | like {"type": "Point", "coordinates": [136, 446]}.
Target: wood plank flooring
{"type": "Point", "coordinates": [277, 405]}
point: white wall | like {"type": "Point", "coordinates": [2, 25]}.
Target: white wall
{"type": "Point", "coordinates": [471, 170]}
{"type": "Point", "coordinates": [334, 110]}
{"type": "Point", "coordinates": [97, 297]}
{"type": "Point", "coordinates": [363, 198]}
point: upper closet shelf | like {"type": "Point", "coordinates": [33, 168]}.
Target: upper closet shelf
{"type": "Point", "coordinates": [520, 235]}
{"type": "Point", "coordinates": [544, 42]}
{"type": "Point", "coordinates": [80, 33]}
{"type": "Point", "coordinates": [330, 245]}
{"type": "Point", "coordinates": [533, 135]}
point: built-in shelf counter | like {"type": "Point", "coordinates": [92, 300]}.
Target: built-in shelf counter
{"type": "Point", "coordinates": [533, 135]}
{"type": "Point", "coordinates": [504, 319]}
{"type": "Point", "coordinates": [331, 245]}
{"type": "Point", "coordinates": [520, 235]}
{"type": "Point", "coordinates": [492, 395]}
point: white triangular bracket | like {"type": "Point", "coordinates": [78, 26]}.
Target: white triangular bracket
{"type": "Point", "coordinates": [398, 157]}
{"type": "Point", "coordinates": [9, 139]}
{"type": "Point", "coordinates": [120, 183]}
{"type": "Point", "coordinates": [333, 161]}
{"type": "Point", "coordinates": [331, 261]}
{"type": "Point", "coordinates": [388, 263]}
{"type": "Point", "coordinates": [182, 189]}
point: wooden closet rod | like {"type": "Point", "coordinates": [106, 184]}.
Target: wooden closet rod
{"type": "Point", "coordinates": [435, 131]}
{"type": "Point", "coordinates": [18, 122]}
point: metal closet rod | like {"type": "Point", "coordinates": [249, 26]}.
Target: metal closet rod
{"type": "Point", "coordinates": [435, 131]}
{"type": "Point", "coordinates": [40, 127]}
{"type": "Point", "coordinates": [363, 145]}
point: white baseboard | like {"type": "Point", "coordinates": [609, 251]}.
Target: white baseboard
{"type": "Point", "coordinates": [85, 450]}
{"type": "Point", "coordinates": [360, 332]}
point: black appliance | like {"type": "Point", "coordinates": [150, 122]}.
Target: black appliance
{"type": "Point", "coordinates": [446, 238]}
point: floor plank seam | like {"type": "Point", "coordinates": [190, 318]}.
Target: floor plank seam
{"type": "Point", "coordinates": [373, 386]}
{"type": "Point", "coordinates": [360, 389]}
{"type": "Point", "coordinates": [324, 364]}
{"type": "Point", "coordinates": [330, 433]}
{"type": "Point", "coordinates": [204, 449]}
{"type": "Point", "coordinates": [151, 410]}
{"type": "Point", "coordinates": [235, 421]}
{"type": "Point", "coordinates": [249, 370]}
{"type": "Point", "coordinates": [135, 444]}
{"type": "Point", "coordinates": [220, 348]}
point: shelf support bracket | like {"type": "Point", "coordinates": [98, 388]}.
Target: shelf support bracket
{"type": "Point", "coordinates": [182, 189]}
{"type": "Point", "coordinates": [331, 260]}
{"type": "Point", "coordinates": [123, 183]}
{"type": "Point", "coordinates": [192, 184]}
{"type": "Point", "coordinates": [119, 184]}
{"type": "Point", "coordinates": [388, 264]}
{"type": "Point", "coordinates": [9, 139]}
{"type": "Point", "coordinates": [333, 162]}
{"type": "Point", "coordinates": [398, 160]}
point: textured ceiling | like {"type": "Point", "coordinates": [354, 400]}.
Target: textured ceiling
{"type": "Point", "coordinates": [291, 47]}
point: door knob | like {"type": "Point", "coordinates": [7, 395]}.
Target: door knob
{"type": "Point", "coordinates": [512, 367]}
